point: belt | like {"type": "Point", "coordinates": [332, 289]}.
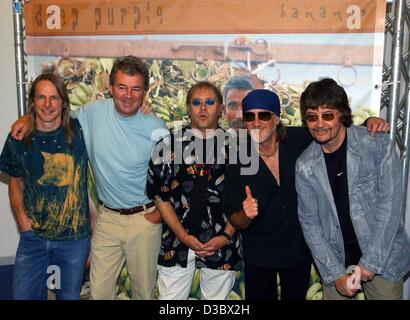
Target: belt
{"type": "Point", "coordinates": [130, 210]}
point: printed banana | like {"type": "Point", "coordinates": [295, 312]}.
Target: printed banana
{"type": "Point", "coordinates": [234, 296]}
{"type": "Point", "coordinates": [314, 288]}
{"type": "Point", "coordinates": [127, 285]}
{"type": "Point", "coordinates": [163, 110]}
{"type": "Point", "coordinates": [124, 273]}
{"type": "Point", "coordinates": [318, 296]}
{"type": "Point", "coordinates": [360, 296]}
{"type": "Point", "coordinates": [195, 283]}
{"type": "Point", "coordinates": [87, 88]}
{"type": "Point", "coordinates": [242, 289]}
{"type": "Point", "coordinates": [362, 113]}
{"type": "Point", "coordinates": [74, 100]}
{"type": "Point", "coordinates": [314, 277]}
{"type": "Point", "coordinates": [81, 94]}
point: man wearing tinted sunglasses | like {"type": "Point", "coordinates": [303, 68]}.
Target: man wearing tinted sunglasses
{"type": "Point", "coordinates": [264, 205]}
{"type": "Point", "coordinates": [350, 198]}
{"type": "Point", "coordinates": [196, 234]}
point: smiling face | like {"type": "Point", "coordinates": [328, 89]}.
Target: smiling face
{"type": "Point", "coordinates": [262, 132]}
{"type": "Point", "coordinates": [204, 109]}
{"type": "Point", "coordinates": [327, 129]}
{"type": "Point", "coordinates": [48, 106]}
{"type": "Point", "coordinates": [128, 93]}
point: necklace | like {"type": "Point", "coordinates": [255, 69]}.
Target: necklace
{"type": "Point", "coordinates": [275, 153]}
{"type": "Point", "coordinates": [267, 155]}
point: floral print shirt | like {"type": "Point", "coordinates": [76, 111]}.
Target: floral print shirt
{"type": "Point", "coordinates": [176, 167]}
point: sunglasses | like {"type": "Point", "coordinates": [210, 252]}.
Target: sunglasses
{"type": "Point", "coordinates": [264, 116]}
{"type": "Point", "coordinates": [325, 116]}
{"type": "Point", "coordinates": [208, 102]}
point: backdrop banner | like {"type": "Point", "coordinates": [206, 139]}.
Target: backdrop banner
{"type": "Point", "coordinates": [281, 45]}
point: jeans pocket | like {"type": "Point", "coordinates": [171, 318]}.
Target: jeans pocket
{"type": "Point", "coordinates": [26, 233]}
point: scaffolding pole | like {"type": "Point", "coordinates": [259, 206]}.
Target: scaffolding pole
{"type": "Point", "coordinates": [395, 64]}
{"type": "Point", "coordinates": [19, 56]}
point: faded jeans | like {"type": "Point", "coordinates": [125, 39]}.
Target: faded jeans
{"type": "Point", "coordinates": [45, 264]}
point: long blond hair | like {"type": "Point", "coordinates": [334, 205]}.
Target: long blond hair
{"type": "Point", "coordinates": [61, 88]}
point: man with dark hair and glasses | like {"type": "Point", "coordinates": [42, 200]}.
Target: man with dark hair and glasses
{"type": "Point", "coordinates": [187, 193]}
{"type": "Point", "coordinates": [264, 206]}
{"type": "Point", "coordinates": [350, 193]}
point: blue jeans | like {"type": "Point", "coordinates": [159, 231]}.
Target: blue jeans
{"type": "Point", "coordinates": [42, 264]}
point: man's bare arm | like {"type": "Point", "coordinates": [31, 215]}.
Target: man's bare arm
{"type": "Point", "coordinates": [16, 189]}
{"type": "Point", "coordinates": [242, 219]}
{"type": "Point", "coordinates": [376, 124]}
{"type": "Point", "coordinates": [20, 127]}
{"type": "Point", "coordinates": [239, 220]}
{"type": "Point", "coordinates": [169, 216]}
{"type": "Point", "coordinates": [218, 241]}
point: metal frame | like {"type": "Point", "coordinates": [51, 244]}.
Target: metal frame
{"type": "Point", "coordinates": [395, 95]}
{"type": "Point", "coordinates": [21, 62]}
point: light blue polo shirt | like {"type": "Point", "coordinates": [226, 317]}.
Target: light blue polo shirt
{"type": "Point", "coordinates": [119, 149]}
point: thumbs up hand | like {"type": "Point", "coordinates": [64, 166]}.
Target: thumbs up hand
{"type": "Point", "coordinates": [250, 204]}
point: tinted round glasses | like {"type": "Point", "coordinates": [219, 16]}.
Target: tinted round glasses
{"type": "Point", "coordinates": [208, 102]}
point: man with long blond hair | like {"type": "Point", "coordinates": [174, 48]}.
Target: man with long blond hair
{"type": "Point", "coordinates": [65, 103]}
{"type": "Point", "coordinates": [48, 193]}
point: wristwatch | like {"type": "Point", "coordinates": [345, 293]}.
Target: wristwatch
{"type": "Point", "coordinates": [227, 236]}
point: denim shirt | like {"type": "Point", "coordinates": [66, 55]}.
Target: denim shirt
{"type": "Point", "coordinates": [374, 177]}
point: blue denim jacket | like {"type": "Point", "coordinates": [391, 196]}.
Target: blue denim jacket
{"type": "Point", "coordinates": [375, 194]}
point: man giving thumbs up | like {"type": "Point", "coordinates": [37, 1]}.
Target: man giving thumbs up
{"type": "Point", "coordinates": [263, 206]}
{"type": "Point", "coordinates": [250, 204]}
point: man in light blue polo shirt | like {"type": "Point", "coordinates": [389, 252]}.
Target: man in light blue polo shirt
{"type": "Point", "coordinates": [119, 139]}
